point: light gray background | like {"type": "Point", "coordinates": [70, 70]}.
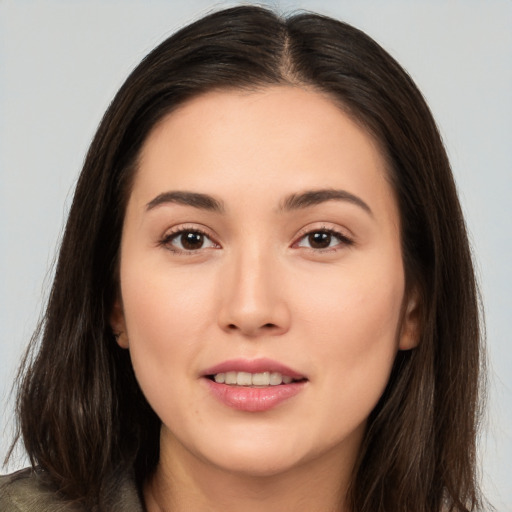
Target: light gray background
{"type": "Point", "coordinates": [62, 61]}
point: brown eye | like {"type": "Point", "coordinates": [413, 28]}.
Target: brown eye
{"type": "Point", "coordinates": [191, 240]}
{"type": "Point", "coordinates": [188, 240]}
{"type": "Point", "coordinates": [319, 240]}
{"type": "Point", "coordinates": [322, 239]}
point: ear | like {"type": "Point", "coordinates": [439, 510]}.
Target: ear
{"type": "Point", "coordinates": [410, 329]}
{"type": "Point", "coordinates": [118, 324]}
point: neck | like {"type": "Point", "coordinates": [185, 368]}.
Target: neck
{"type": "Point", "coordinates": [183, 482]}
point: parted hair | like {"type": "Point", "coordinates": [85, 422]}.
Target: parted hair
{"type": "Point", "coordinates": [81, 414]}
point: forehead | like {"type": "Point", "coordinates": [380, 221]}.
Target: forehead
{"type": "Point", "coordinates": [276, 140]}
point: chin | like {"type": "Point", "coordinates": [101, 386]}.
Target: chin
{"type": "Point", "coordinates": [255, 456]}
{"type": "Point", "coordinates": [259, 465]}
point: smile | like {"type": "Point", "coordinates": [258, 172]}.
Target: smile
{"type": "Point", "coordinates": [253, 385]}
{"type": "Point", "coordinates": [261, 379]}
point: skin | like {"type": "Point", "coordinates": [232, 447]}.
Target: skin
{"type": "Point", "coordinates": [258, 287]}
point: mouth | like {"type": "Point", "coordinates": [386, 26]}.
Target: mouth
{"type": "Point", "coordinates": [260, 372]}
{"type": "Point", "coordinates": [255, 380]}
{"type": "Point", "coordinates": [257, 385]}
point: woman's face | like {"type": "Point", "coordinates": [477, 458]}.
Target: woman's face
{"type": "Point", "coordinates": [261, 244]}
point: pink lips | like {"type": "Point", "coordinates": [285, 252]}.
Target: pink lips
{"type": "Point", "coordinates": [253, 399]}
{"type": "Point", "coordinates": [253, 366]}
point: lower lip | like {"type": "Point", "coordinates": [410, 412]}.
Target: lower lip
{"type": "Point", "coordinates": [251, 399]}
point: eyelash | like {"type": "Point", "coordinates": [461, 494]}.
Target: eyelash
{"type": "Point", "coordinates": [343, 240]}
{"type": "Point", "coordinates": [167, 240]}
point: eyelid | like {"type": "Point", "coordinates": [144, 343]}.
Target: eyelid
{"type": "Point", "coordinates": [175, 231]}
{"type": "Point", "coordinates": [346, 239]}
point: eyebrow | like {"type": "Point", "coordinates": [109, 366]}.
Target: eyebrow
{"type": "Point", "coordinates": [194, 199]}
{"type": "Point", "coordinates": [315, 197]}
{"type": "Point", "coordinates": [293, 202]}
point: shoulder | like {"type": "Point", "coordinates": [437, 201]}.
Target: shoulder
{"type": "Point", "coordinates": [26, 491]}
{"type": "Point", "coordinates": [29, 491]}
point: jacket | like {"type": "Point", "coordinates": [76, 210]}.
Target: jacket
{"type": "Point", "coordinates": [26, 491]}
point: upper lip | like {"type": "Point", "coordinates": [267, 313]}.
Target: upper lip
{"type": "Point", "coordinates": [253, 366]}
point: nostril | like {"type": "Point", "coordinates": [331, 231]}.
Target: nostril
{"type": "Point", "coordinates": [267, 326]}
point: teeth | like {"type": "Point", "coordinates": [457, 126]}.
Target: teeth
{"type": "Point", "coordinates": [220, 378]}
{"type": "Point", "coordinates": [230, 378]}
{"type": "Point", "coordinates": [252, 379]}
{"type": "Point", "coordinates": [244, 379]}
{"type": "Point", "coordinates": [260, 379]}
{"type": "Point", "coordinates": [275, 379]}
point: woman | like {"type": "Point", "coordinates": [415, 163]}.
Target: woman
{"type": "Point", "coordinates": [264, 297]}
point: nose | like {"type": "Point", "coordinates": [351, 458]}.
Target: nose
{"type": "Point", "coordinates": [253, 297]}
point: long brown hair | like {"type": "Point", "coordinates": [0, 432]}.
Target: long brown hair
{"type": "Point", "coordinates": [82, 416]}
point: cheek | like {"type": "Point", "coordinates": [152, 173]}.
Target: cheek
{"type": "Point", "coordinates": [159, 304]}
{"type": "Point", "coordinates": [163, 321]}
{"type": "Point", "coordinates": [354, 304]}
{"type": "Point", "coordinates": [166, 316]}
{"type": "Point", "coordinates": [354, 327]}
